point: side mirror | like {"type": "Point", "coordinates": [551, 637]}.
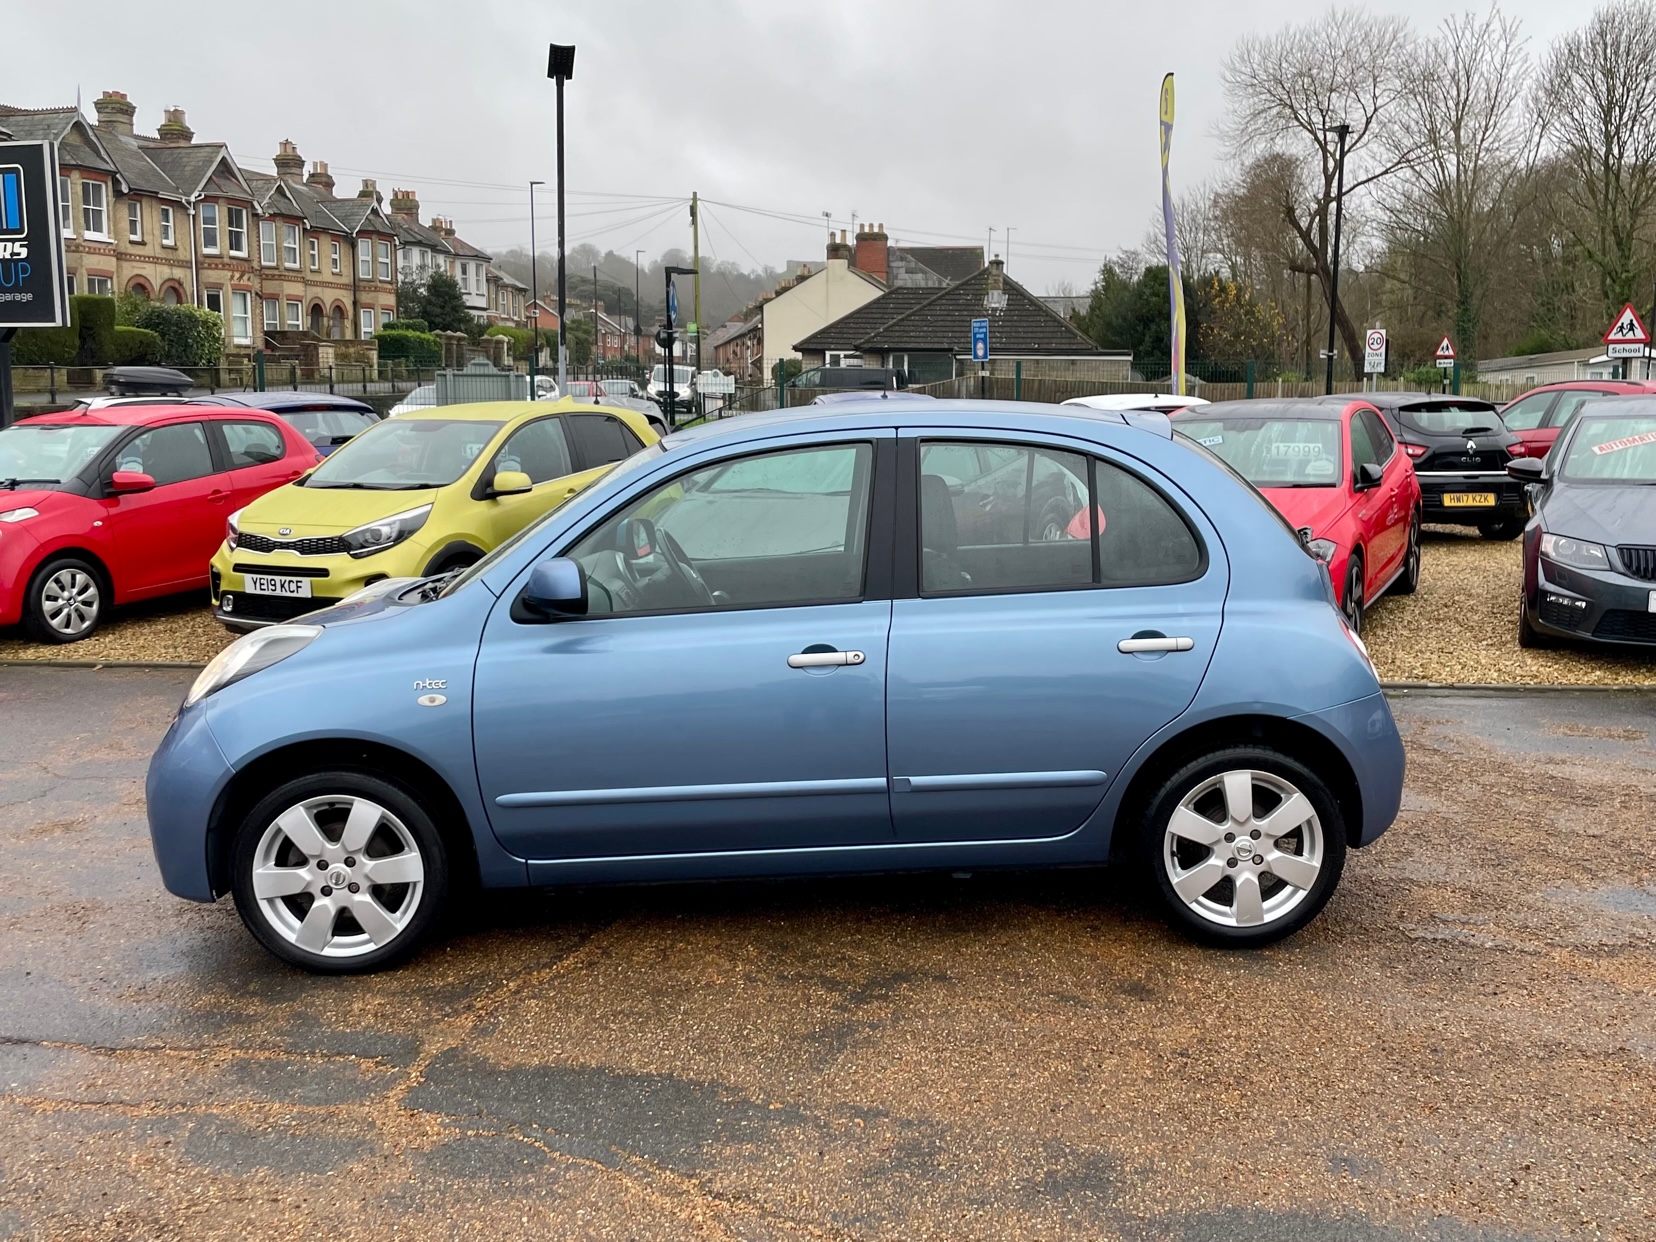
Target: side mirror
{"type": "Point", "coordinates": [557, 588]}
{"type": "Point", "coordinates": [510, 483]}
{"type": "Point", "coordinates": [1369, 475]}
{"type": "Point", "coordinates": [1526, 469]}
{"type": "Point", "coordinates": [130, 482]}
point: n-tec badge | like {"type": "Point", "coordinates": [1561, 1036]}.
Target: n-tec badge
{"type": "Point", "coordinates": [432, 683]}
{"type": "Point", "coordinates": [286, 530]}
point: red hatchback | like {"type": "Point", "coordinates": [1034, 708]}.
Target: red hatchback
{"type": "Point", "coordinates": [104, 507]}
{"type": "Point", "coordinates": [1539, 415]}
{"type": "Point", "coordinates": [1332, 466]}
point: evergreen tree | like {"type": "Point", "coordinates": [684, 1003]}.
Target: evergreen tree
{"type": "Point", "coordinates": [443, 306]}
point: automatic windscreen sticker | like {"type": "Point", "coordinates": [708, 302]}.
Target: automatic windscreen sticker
{"type": "Point", "coordinates": [1615, 446]}
{"type": "Point", "coordinates": [1210, 441]}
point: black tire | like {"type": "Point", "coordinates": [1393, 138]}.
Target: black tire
{"type": "Point", "coordinates": [1409, 580]}
{"type": "Point", "coordinates": [1506, 528]}
{"type": "Point", "coordinates": [1530, 638]}
{"type": "Point", "coordinates": [1155, 850]}
{"type": "Point", "coordinates": [335, 788]}
{"type": "Point", "coordinates": [455, 558]}
{"type": "Point", "coordinates": [1056, 516]}
{"type": "Point", "coordinates": [1351, 599]}
{"type": "Point", "coordinates": [51, 578]}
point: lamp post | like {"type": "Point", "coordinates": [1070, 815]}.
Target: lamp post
{"type": "Point", "coordinates": [534, 296]}
{"type": "Point", "coordinates": [638, 311]}
{"type": "Point", "coordinates": [560, 67]}
{"type": "Point", "coordinates": [672, 306]}
{"type": "Point", "coordinates": [1344, 131]}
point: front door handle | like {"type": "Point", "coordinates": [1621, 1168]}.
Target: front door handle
{"type": "Point", "coordinates": [825, 659]}
{"type": "Point", "coordinates": [1134, 646]}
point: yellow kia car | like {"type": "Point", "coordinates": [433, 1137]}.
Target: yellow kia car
{"type": "Point", "coordinates": [425, 492]}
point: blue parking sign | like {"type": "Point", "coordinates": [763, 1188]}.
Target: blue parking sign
{"type": "Point", "coordinates": [980, 340]}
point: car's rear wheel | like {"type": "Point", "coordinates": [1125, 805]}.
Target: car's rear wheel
{"type": "Point", "coordinates": [1351, 599]}
{"type": "Point", "coordinates": [1245, 846]}
{"type": "Point", "coordinates": [1506, 528]}
{"type": "Point", "coordinates": [339, 872]}
{"type": "Point", "coordinates": [1409, 579]}
{"type": "Point", "coordinates": [65, 602]}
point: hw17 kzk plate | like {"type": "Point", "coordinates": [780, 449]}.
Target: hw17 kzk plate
{"type": "Point", "coordinates": [1469, 500]}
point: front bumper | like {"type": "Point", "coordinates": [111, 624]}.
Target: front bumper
{"type": "Point", "coordinates": [331, 578]}
{"type": "Point", "coordinates": [1600, 606]}
{"type": "Point", "coordinates": [187, 775]}
{"type": "Point", "coordinates": [1510, 501]}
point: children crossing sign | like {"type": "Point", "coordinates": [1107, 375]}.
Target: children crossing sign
{"type": "Point", "coordinates": [1627, 336]}
{"type": "Point", "coordinates": [1444, 355]}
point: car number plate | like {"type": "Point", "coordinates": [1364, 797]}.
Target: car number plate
{"type": "Point", "coordinates": [272, 584]}
{"type": "Point", "coordinates": [1469, 500]}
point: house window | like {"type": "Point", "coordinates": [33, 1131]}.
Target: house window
{"type": "Point", "coordinates": [209, 228]}
{"type": "Point", "coordinates": [94, 217]}
{"type": "Point", "coordinates": [290, 245]}
{"type": "Point", "coordinates": [100, 285]}
{"type": "Point", "coordinates": [71, 284]}
{"type": "Point", "coordinates": [295, 316]}
{"type": "Point", "coordinates": [272, 315]}
{"type": "Point", "coordinates": [135, 220]}
{"type": "Point", "coordinates": [66, 209]}
{"type": "Point", "coordinates": [214, 298]}
{"type": "Point", "coordinates": [366, 322]}
{"type": "Point", "coordinates": [241, 312]}
{"type": "Point", "coordinates": [167, 238]}
{"type": "Point", "coordinates": [267, 242]}
{"type": "Point", "coordinates": [365, 258]}
{"type": "Point", "coordinates": [236, 226]}
{"type": "Point", "coordinates": [385, 317]}
{"type": "Point", "coordinates": [385, 260]}
{"type": "Point", "coordinates": [315, 254]}
{"type": "Point", "coordinates": [335, 253]}
{"type": "Point", "coordinates": [465, 277]}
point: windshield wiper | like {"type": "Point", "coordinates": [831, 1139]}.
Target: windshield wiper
{"type": "Point", "coordinates": [11, 485]}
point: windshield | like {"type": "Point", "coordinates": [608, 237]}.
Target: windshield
{"type": "Point", "coordinates": [1605, 450]}
{"type": "Point", "coordinates": [321, 426]}
{"type": "Point", "coordinates": [618, 388]}
{"type": "Point", "coordinates": [45, 454]}
{"type": "Point", "coordinates": [406, 453]}
{"type": "Point", "coordinates": [1273, 452]}
{"type": "Point", "coordinates": [1451, 418]}
{"type": "Point", "coordinates": [681, 376]}
{"type": "Point", "coordinates": [647, 454]}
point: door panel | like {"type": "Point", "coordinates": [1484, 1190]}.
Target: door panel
{"type": "Point", "coordinates": [166, 536]}
{"type": "Point", "coordinates": [258, 457]}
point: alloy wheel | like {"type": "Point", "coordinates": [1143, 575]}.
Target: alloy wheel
{"type": "Point", "coordinates": [1352, 604]}
{"type": "Point", "coordinates": [338, 877]}
{"type": "Point", "coordinates": [1243, 849]}
{"type": "Point", "coordinates": [70, 601]}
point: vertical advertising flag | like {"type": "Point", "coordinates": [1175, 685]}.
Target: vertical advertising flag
{"type": "Point", "coordinates": [1175, 285]}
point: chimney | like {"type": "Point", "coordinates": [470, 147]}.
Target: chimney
{"type": "Point", "coordinates": [369, 189]}
{"type": "Point", "coordinates": [114, 112]}
{"type": "Point", "coordinates": [994, 286]}
{"type": "Point", "coordinates": [290, 165]}
{"type": "Point", "coordinates": [839, 248]}
{"type": "Point", "coordinates": [442, 226]}
{"type": "Point", "coordinates": [320, 178]}
{"type": "Point", "coordinates": [872, 251]}
{"type": "Point", "coordinates": [404, 203]}
{"type": "Point", "coordinates": [172, 131]}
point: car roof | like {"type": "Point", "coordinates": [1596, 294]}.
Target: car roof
{"type": "Point", "coordinates": [502, 411]}
{"type": "Point", "coordinates": [280, 399]}
{"type": "Point", "coordinates": [1576, 385]}
{"type": "Point", "coordinates": [1395, 400]}
{"type": "Point", "coordinates": [1287, 407]}
{"type": "Point", "coordinates": [1633, 405]}
{"type": "Point", "coordinates": [1135, 400]}
{"type": "Point", "coordinates": [141, 415]}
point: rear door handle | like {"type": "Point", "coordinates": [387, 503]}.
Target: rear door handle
{"type": "Point", "coordinates": [825, 659]}
{"type": "Point", "coordinates": [1133, 646]}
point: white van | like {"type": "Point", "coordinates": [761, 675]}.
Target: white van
{"type": "Point", "coordinates": [683, 382]}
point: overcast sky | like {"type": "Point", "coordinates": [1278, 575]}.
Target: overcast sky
{"type": "Point", "coordinates": [940, 118]}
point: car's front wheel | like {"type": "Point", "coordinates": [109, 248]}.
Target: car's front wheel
{"type": "Point", "coordinates": [1351, 599]}
{"type": "Point", "coordinates": [65, 602]}
{"type": "Point", "coordinates": [339, 872]}
{"type": "Point", "coordinates": [1245, 846]}
{"type": "Point", "coordinates": [1530, 638]}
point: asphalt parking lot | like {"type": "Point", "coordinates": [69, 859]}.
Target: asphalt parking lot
{"type": "Point", "coordinates": [1461, 1049]}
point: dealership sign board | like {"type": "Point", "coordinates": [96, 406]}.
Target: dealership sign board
{"type": "Point", "coordinates": [31, 240]}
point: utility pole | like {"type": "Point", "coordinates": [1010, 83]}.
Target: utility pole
{"type": "Point", "coordinates": [638, 309]}
{"type": "Point", "coordinates": [695, 262]}
{"type": "Point", "coordinates": [534, 296]}
{"type": "Point", "coordinates": [596, 353]}
{"type": "Point", "coordinates": [989, 252]}
{"type": "Point", "coordinates": [1008, 255]}
{"type": "Point", "coordinates": [560, 67]}
{"type": "Point", "coordinates": [1344, 131]}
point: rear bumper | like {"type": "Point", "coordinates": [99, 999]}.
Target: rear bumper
{"type": "Point", "coordinates": [1510, 501]}
{"type": "Point", "coordinates": [1591, 606]}
{"type": "Point", "coordinates": [1367, 736]}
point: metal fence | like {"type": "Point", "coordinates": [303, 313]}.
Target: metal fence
{"type": "Point", "coordinates": [52, 385]}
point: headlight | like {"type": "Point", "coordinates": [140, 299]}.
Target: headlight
{"type": "Point", "coordinates": [385, 533]}
{"type": "Point", "coordinates": [232, 529]}
{"type": "Point", "coordinates": [1576, 553]}
{"type": "Point", "coordinates": [18, 515]}
{"type": "Point", "coordinates": [248, 654]}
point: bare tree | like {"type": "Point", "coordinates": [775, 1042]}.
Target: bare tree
{"type": "Point", "coordinates": [1196, 228]}
{"type": "Point", "coordinates": [1469, 143]}
{"type": "Point", "coordinates": [1286, 93]}
{"type": "Point", "coordinates": [1596, 97]}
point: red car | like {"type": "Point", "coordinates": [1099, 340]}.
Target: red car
{"type": "Point", "coordinates": [1539, 415]}
{"type": "Point", "coordinates": [1329, 465]}
{"type": "Point", "coordinates": [103, 507]}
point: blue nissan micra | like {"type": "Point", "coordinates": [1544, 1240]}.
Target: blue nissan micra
{"type": "Point", "coordinates": [904, 635]}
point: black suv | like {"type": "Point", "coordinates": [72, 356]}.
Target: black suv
{"type": "Point", "coordinates": [850, 377]}
{"type": "Point", "coordinates": [1460, 449]}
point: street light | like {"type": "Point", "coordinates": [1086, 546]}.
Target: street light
{"type": "Point", "coordinates": [1344, 131]}
{"type": "Point", "coordinates": [638, 311]}
{"type": "Point", "coordinates": [671, 306]}
{"type": "Point", "coordinates": [534, 296]}
{"type": "Point", "coordinates": [560, 67]}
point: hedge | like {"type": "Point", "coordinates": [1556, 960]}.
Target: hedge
{"type": "Point", "coordinates": [96, 315]}
{"type": "Point", "coordinates": [190, 336]}
{"type": "Point", "coordinates": [420, 349]}
{"type": "Point", "coordinates": [39, 347]}
{"type": "Point", "coordinates": [136, 347]}
{"type": "Point", "coordinates": [405, 325]}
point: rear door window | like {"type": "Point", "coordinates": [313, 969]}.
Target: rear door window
{"type": "Point", "coordinates": [600, 440]}
{"type": "Point", "coordinates": [252, 444]}
{"type": "Point", "coordinates": [538, 450]}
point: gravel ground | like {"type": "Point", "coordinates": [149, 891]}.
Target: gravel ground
{"type": "Point", "coordinates": [1460, 626]}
